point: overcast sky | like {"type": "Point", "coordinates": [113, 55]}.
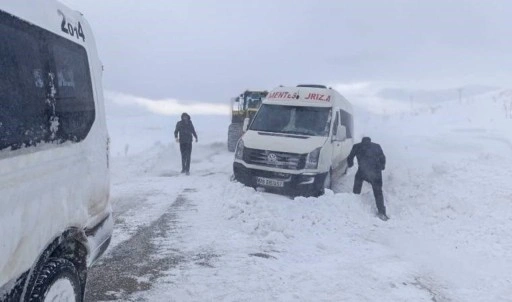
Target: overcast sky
{"type": "Point", "coordinates": [208, 51]}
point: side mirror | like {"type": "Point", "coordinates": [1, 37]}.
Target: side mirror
{"type": "Point", "coordinates": [341, 133]}
{"type": "Point", "coordinates": [246, 124]}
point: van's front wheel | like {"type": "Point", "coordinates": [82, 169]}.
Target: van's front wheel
{"type": "Point", "coordinates": [58, 280]}
{"type": "Point", "coordinates": [328, 180]}
{"type": "Point", "coordinates": [327, 184]}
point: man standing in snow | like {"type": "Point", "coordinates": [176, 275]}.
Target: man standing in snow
{"type": "Point", "coordinates": [372, 162]}
{"type": "Point", "coordinates": [183, 135]}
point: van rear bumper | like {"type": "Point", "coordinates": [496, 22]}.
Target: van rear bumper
{"type": "Point", "coordinates": [306, 184]}
{"type": "Point", "coordinates": [98, 238]}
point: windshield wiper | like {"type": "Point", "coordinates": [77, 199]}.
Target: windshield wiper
{"type": "Point", "coordinates": [261, 130]}
{"type": "Point", "coordinates": [297, 133]}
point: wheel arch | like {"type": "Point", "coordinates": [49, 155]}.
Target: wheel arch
{"type": "Point", "coordinates": [70, 245]}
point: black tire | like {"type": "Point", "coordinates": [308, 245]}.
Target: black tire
{"type": "Point", "coordinates": [327, 184]}
{"type": "Point", "coordinates": [54, 270]}
{"type": "Point", "coordinates": [234, 134]}
{"type": "Point", "coordinates": [328, 180]}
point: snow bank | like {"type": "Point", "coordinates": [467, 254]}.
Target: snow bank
{"type": "Point", "coordinates": [273, 248]}
{"type": "Point", "coordinates": [447, 190]}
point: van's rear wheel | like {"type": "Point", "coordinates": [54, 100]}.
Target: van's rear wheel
{"type": "Point", "coordinates": [58, 280]}
{"type": "Point", "coordinates": [344, 167]}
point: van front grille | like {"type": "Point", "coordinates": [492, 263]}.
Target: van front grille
{"type": "Point", "coordinates": [282, 160]}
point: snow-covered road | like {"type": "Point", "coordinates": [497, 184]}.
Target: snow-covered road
{"type": "Point", "coordinates": [205, 238]}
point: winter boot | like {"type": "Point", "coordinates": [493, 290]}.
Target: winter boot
{"type": "Point", "coordinates": [383, 216]}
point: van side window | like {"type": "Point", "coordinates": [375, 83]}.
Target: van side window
{"type": "Point", "coordinates": [46, 92]}
{"type": "Point", "coordinates": [74, 99]}
{"type": "Point", "coordinates": [335, 124]}
{"type": "Point", "coordinates": [23, 119]}
{"type": "Point", "coordinates": [348, 122]}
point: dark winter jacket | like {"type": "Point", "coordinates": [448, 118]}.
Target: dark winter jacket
{"type": "Point", "coordinates": [370, 157]}
{"type": "Point", "coordinates": [185, 130]}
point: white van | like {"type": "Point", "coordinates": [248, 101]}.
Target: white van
{"type": "Point", "coordinates": [297, 140]}
{"type": "Point", "coordinates": [55, 215]}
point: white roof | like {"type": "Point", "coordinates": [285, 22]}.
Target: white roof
{"type": "Point", "coordinates": [307, 96]}
{"type": "Point", "coordinates": [57, 18]}
{"type": "Point", "coordinates": [50, 15]}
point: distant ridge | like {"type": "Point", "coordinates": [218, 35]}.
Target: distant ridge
{"type": "Point", "coordinates": [434, 95]}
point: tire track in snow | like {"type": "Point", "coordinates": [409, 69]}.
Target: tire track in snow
{"type": "Point", "coordinates": [137, 262]}
{"type": "Point", "coordinates": [433, 290]}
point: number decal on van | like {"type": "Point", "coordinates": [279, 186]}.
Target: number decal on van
{"type": "Point", "coordinates": [67, 27]}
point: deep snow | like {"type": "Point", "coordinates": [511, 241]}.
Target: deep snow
{"type": "Point", "coordinates": [446, 185]}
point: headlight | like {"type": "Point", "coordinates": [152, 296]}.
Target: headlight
{"type": "Point", "coordinates": [239, 152]}
{"type": "Point", "coordinates": [312, 159]}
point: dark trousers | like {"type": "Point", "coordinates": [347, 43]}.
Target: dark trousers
{"type": "Point", "coordinates": [186, 151]}
{"type": "Point", "coordinates": [376, 181]}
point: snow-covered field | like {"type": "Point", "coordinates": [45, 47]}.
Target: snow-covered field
{"type": "Point", "coordinates": [202, 237]}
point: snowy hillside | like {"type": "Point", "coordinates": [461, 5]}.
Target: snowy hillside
{"type": "Point", "coordinates": [204, 238]}
{"type": "Point", "coordinates": [448, 181]}
{"type": "Point", "coordinates": [433, 96]}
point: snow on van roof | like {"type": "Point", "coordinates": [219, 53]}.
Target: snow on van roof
{"type": "Point", "coordinates": [53, 16]}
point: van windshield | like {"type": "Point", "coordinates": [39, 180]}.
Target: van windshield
{"type": "Point", "coordinates": [312, 121]}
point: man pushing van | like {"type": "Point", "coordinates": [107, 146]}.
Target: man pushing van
{"type": "Point", "coordinates": [372, 162]}
{"type": "Point", "coordinates": [183, 135]}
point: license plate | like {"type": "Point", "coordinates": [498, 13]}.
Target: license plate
{"type": "Point", "coordinates": [269, 182]}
